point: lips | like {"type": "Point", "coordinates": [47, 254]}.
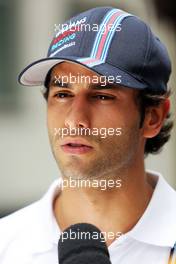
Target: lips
{"type": "Point", "coordinates": [76, 146]}
{"type": "Point", "coordinates": [75, 142]}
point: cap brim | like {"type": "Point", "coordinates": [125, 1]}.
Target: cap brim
{"type": "Point", "coordinates": [35, 73]}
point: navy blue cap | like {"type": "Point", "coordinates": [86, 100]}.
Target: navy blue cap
{"type": "Point", "coordinates": [110, 42]}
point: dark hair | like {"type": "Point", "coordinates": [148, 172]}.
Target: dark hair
{"type": "Point", "coordinates": [45, 92]}
{"type": "Point", "coordinates": [146, 98]}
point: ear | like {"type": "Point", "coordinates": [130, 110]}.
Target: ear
{"type": "Point", "coordinates": [154, 119]}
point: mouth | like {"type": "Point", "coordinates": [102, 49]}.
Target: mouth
{"type": "Point", "coordinates": [75, 145]}
{"type": "Point", "coordinates": [76, 148]}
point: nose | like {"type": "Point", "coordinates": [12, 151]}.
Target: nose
{"type": "Point", "coordinates": [78, 113]}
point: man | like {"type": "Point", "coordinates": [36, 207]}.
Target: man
{"type": "Point", "coordinates": [131, 105]}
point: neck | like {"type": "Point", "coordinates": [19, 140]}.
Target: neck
{"type": "Point", "coordinates": [113, 209]}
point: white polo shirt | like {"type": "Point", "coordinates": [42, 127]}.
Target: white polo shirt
{"type": "Point", "coordinates": [30, 235]}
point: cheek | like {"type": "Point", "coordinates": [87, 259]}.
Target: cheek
{"type": "Point", "coordinates": [50, 117]}
{"type": "Point", "coordinates": [54, 117]}
{"type": "Point", "coordinates": [53, 123]}
{"type": "Point", "coordinates": [109, 118]}
{"type": "Point", "coordinates": [50, 126]}
{"type": "Point", "coordinates": [123, 118]}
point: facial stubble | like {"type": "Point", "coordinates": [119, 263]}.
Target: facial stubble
{"type": "Point", "coordinates": [111, 156]}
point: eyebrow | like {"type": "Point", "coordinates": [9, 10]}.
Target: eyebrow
{"type": "Point", "coordinates": [93, 86]}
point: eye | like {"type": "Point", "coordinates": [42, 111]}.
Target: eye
{"type": "Point", "coordinates": [62, 95]}
{"type": "Point", "coordinates": [104, 97]}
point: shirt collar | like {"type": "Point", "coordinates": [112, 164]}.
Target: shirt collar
{"type": "Point", "coordinates": [157, 225]}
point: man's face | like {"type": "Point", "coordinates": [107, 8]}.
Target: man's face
{"type": "Point", "coordinates": [86, 104]}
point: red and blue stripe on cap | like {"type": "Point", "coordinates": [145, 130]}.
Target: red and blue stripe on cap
{"type": "Point", "coordinates": [104, 37]}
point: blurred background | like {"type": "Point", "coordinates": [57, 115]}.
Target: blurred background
{"type": "Point", "coordinates": [27, 166]}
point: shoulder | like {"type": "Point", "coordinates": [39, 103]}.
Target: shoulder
{"type": "Point", "coordinates": [14, 226]}
{"type": "Point", "coordinates": [28, 230]}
